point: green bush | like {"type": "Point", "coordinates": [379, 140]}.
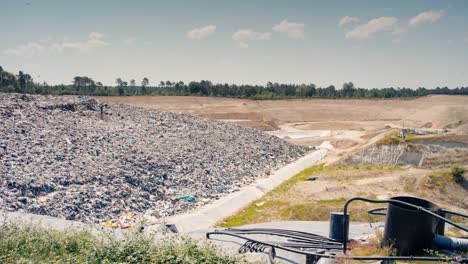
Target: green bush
{"type": "Point", "coordinates": [33, 244]}
{"type": "Point", "coordinates": [457, 174]}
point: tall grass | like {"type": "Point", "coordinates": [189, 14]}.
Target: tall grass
{"type": "Point", "coordinates": [21, 243]}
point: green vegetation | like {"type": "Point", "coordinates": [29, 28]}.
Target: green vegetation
{"type": "Point", "coordinates": [457, 124]}
{"type": "Point", "coordinates": [410, 184]}
{"type": "Point", "coordinates": [391, 138]}
{"type": "Point", "coordinates": [457, 174]}
{"type": "Point", "coordinates": [33, 244]}
{"type": "Point", "coordinates": [277, 205]}
{"type": "Point", "coordinates": [364, 168]}
{"type": "Point", "coordinates": [83, 85]}
{"type": "Point", "coordinates": [440, 179]}
{"type": "Point", "coordinates": [250, 214]}
{"type": "Point", "coordinates": [437, 180]}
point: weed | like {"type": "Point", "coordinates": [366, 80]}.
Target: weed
{"type": "Point", "coordinates": [409, 186]}
{"type": "Point", "coordinates": [457, 174]}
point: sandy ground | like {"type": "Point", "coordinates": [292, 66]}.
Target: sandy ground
{"type": "Point", "coordinates": [313, 114]}
{"type": "Point", "coordinates": [351, 122]}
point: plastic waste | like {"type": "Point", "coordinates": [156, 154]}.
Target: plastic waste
{"type": "Point", "coordinates": [188, 198]}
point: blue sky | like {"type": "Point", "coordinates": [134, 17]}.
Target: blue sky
{"type": "Point", "coordinates": [372, 43]}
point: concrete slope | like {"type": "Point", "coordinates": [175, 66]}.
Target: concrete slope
{"type": "Point", "coordinates": [210, 214]}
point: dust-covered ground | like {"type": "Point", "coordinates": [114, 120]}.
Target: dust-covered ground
{"type": "Point", "coordinates": [351, 123]}
{"type": "Point", "coordinates": [310, 114]}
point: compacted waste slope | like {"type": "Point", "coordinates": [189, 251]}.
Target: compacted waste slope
{"type": "Point", "coordinates": [59, 156]}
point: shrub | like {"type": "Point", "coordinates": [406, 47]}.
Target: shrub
{"type": "Point", "coordinates": [457, 174]}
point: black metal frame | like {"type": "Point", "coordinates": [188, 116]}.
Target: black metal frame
{"type": "Point", "coordinates": [315, 246]}
{"type": "Point", "coordinates": [419, 208]}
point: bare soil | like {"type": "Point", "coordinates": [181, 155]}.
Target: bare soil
{"type": "Point", "coordinates": [352, 122]}
{"type": "Point", "coordinates": [308, 114]}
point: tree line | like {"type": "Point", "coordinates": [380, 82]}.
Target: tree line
{"type": "Point", "coordinates": [83, 85]}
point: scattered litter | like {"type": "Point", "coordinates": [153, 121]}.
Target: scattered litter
{"type": "Point", "coordinates": [172, 228]}
{"type": "Point", "coordinates": [130, 215]}
{"type": "Point", "coordinates": [312, 179]}
{"type": "Point", "coordinates": [260, 203]}
{"type": "Point", "coordinates": [110, 224]}
{"type": "Point", "coordinates": [188, 198]}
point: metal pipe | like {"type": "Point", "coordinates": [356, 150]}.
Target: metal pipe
{"type": "Point", "coordinates": [450, 243]}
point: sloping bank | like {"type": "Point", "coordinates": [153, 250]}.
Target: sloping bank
{"type": "Point", "coordinates": [422, 152]}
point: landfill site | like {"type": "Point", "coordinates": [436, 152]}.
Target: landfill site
{"type": "Point", "coordinates": [273, 191]}
{"type": "Point", "coordinates": [60, 157]}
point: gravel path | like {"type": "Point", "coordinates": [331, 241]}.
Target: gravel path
{"type": "Point", "coordinates": [58, 158]}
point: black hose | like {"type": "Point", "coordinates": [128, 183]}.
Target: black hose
{"type": "Point", "coordinates": [455, 213]}
{"type": "Point", "coordinates": [377, 211]}
{"type": "Point", "coordinates": [291, 234]}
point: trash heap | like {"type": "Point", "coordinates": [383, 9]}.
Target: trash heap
{"type": "Point", "coordinates": [59, 156]}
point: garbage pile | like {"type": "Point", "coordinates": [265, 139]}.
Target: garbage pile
{"type": "Point", "coordinates": [60, 156]}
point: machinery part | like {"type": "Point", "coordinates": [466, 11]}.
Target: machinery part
{"type": "Point", "coordinates": [317, 254]}
{"type": "Point", "coordinates": [252, 246]}
{"type": "Point", "coordinates": [418, 208]}
{"type": "Point", "coordinates": [315, 247]}
{"type": "Point", "coordinates": [336, 226]}
{"type": "Point", "coordinates": [407, 229]}
{"type": "Point", "coordinates": [450, 243]}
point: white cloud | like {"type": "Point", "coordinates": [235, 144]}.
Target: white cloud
{"type": "Point", "coordinates": [374, 26]}
{"type": "Point", "coordinates": [399, 30]}
{"type": "Point", "coordinates": [243, 36]}
{"type": "Point", "coordinates": [426, 17]}
{"type": "Point", "coordinates": [95, 35]}
{"type": "Point", "coordinates": [129, 41]}
{"type": "Point", "coordinates": [347, 20]}
{"type": "Point", "coordinates": [466, 39]}
{"type": "Point", "coordinates": [32, 49]}
{"type": "Point", "coordinates": [243, 45]}
{"type": "Point", "coordinates": [94, 41]}
{"type": "Point", "coordinates": [293, 29]}
{"type": "Point", "coordinates": [201, 33]}
{"type": "Point", "coordinates": [26, 50]}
